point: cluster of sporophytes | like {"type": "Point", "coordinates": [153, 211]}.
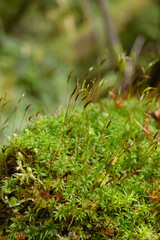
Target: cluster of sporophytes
{"type": "Point", "coordinates": [89, 172]}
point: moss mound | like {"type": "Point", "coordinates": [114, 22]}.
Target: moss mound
{"type": "Point", "coordinates": [93, 173]}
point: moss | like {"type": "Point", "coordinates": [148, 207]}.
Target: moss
{"type": "Point", "coordinates": [87, 174]}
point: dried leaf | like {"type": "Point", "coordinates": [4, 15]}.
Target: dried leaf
{"type": "Point", "coordinates": [116, 99]}
{"type": "Point", "coordinates": [155, 114]}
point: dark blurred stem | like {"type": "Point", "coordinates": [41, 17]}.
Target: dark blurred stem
{"type": "Point", "coordinates": [113, 40]}
{"type": "Point", "coordinates": [129, 72]}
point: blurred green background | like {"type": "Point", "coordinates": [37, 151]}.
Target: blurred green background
{"type": "Point", "coordinates": [42, 41]}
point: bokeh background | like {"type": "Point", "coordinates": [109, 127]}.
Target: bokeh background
{"type": "Point", "coordinates": [42, 41]}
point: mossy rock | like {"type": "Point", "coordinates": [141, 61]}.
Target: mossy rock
{"type": "Point", "coordinates": [87, 174]}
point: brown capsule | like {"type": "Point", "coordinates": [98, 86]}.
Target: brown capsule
{"type": "Point", "coordinates": [88, 103]}
{"type": "Point", "coordinates": [69, 130]}
{"type": "Point", "coordinates": [28, 107]}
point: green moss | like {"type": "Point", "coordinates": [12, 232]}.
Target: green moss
{"type": "Point", "coordinates": [86, 175]}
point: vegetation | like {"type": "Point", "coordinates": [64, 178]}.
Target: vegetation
{"type": "Point", "coordinates": [90, 172]}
